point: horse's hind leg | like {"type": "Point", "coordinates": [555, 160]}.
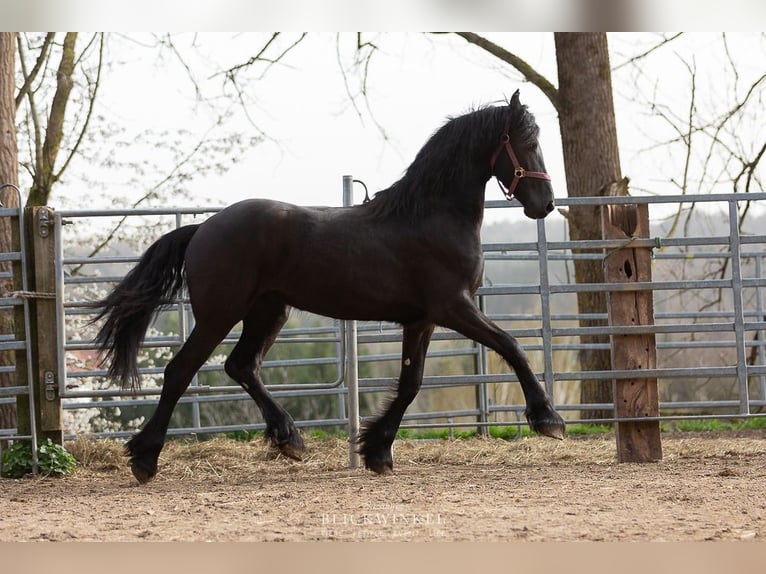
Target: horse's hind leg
{"type": "Point", "coordinates": [144, 448]}
{"type": "Point", "coordinates": [260, 328]}
{"type": "Point", "coordinates": [378, 436]}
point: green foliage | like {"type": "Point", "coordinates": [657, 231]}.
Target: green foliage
{"type": "Point", "coordinates": [713, 425]}
{"type": "Point", "coordinates": [17, 460]}
{"type": "Point", "coordinates": [588, 429]}
{"type": "Point", "coordinates": [703, 425]}
{"type": "Point", "coordinates": [52, 460]}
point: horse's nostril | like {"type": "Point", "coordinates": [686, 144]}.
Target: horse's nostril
{"type": "Point", "coordinates": [550, 207]}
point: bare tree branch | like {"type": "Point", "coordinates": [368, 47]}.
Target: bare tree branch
{"type": "Point", "coordinates": [529, 73]}
{"type": "Point", "coordinates": [36, 140]}
{"type": "Point", "coordinates": [54, 132]}
{"type": "Point", "coordinates": [363, 61]}
{"type": "Point", "coordinates": [645, 53]}
{"type": "Point", "coordinates": [93, 86]}
{"type": "Point", "coordinates": [30, 77]}
{"type": "Point", "coordinates": [149, 194]}
{"type": "Point", "coordinates": [261, 57]}
{"type": "Point", "coordinates": [687, 137]}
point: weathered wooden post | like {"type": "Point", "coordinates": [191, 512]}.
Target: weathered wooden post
{"type": "Point", "coordinates": [41, 234]}
{"type": "Point", "coordinates": [634, 398]}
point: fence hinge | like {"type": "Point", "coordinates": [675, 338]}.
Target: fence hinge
{"type": "Point", "coordinates": [44, 222]}
{"type": "Point", "coordinates": [50, 385]}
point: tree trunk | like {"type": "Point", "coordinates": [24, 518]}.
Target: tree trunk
{"type": "Point", "coordinates": [8, 174]}
{"type": "Point", "coordinates": [45, 173]}
{"type": "Point", "coordinates": [591, 161]}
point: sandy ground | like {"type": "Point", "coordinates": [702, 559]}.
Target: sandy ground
{"type": "Point", "coordinates": [706, 488]}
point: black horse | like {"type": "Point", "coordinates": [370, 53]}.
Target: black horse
{"type": "Point", "coordinates": [412, 255]}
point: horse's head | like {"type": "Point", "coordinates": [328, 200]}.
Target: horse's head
{"type": "Point", "coordinates": [518, 163]}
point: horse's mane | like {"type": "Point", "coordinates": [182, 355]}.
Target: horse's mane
{"type": "Point", "coordinates": [463, 144]}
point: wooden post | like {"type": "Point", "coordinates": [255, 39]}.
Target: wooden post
{"type": "Point", "coordinates": [40, 231]}
{"type": "Point", "coordinates": [637, 441]}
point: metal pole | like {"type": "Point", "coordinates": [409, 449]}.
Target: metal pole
{"type": "Point", "coordinates": [761, 351]}
{"type": "Point", "coordinates": [481, 361]}
{"type": "Point", "coordinates": [352, 364]}
{"type": "Point", "coordinates": [60, 315]}
{"type": "Point", "coordinates": [739, 320]}
{"type": "Point", "coordinates": [545, 308]}
{"type": "Point", "coordinates": [184, 327]}
{"type": "Point", "coordinates": [27, 324]}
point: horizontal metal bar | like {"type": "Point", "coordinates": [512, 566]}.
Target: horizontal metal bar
{"type": "Point", "coordinates": [13, 391]}
{"type": "Point", "coordinates": [665, 418]}
{"type": "Point", "coordinates": [13, 345]}
{"type": "Point", "coordinates": [219, 429]}
{"type": "Point", "coordinates": [144, 211]}
{"type": "Point", "coordinates": [10, 256]}
{"type": "Point", "coordinates": [638, 200]}
{"type": "Point", "coordinates": [653, 329]}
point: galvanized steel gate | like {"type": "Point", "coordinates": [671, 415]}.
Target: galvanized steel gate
{"type": "Point", "coordinates": [16, 370]}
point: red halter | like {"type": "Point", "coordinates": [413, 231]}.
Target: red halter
{"type": "Point", "coordinates": [518, 171]}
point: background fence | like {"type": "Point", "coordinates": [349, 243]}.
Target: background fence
{"type": "Point", "coordinates": [710, 321]}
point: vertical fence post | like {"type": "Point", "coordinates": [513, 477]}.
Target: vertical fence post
{"type": "Point", "coordinates": [482, 391]}
{"type": "Point", "coordinates": [637, 441]}
{"type": "Point", "coordinates": [41, 231]}
{"type": "Point", "coordinates": [352, 364]}
{"type": "Point", "coordinates": [545, 310]}
{"type": "Point", "coordinates": [760, 351]}
{"type": "Point", "coordinates": [735, 247]}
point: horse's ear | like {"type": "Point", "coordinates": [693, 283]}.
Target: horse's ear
{"type": "Point", "coordinates": [515, 102]}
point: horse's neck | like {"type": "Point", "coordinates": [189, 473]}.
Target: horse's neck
{"type": "Point", "coordinates": [466, 200]}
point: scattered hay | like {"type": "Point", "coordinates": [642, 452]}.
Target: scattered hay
{"type": "Point", "coordinates": [97, 455]}
{"type": "Point", "coordinates": [225, 460]}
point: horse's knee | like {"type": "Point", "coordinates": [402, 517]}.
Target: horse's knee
{"type": "Point", "coordinates": [407, 392]}
{"type": "Point", "coordinates": [232, 370]}
{"type": "Point", "coordinates": [239, 372]}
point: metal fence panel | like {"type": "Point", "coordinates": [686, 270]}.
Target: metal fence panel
{"type": "Point", "coordinates": [550, 331]}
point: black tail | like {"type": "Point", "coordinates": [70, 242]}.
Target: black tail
{"type": "Point", "coordinates": [155, 281]}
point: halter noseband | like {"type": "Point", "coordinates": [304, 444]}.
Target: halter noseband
{"type": "Point", "coordinates": [518, 171]}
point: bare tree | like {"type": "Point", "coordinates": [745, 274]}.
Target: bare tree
{"type": "Point", "coordinates": [49, 93]}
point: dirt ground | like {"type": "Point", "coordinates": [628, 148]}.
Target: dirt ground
{"type": "Point", "coordinates": [706, 488]}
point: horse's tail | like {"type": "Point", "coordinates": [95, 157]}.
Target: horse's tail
{"type": "Point", "coordinates": [129, 309]}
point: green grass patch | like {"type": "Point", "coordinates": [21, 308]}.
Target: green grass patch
{"type": "Point", "coordinates": [717, 425]}
{"type": "Point", "coordinates": [511, 431]}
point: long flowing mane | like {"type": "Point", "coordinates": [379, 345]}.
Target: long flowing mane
{"type": "Point", "coordinates": [456, 151]}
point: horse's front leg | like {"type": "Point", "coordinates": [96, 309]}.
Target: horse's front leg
{"type": "Point", "coordinates": [469, 321]}
{"type": "Point", "coordinates": [378, 436]}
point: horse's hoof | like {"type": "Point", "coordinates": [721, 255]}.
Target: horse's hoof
{"type": "Point", "coordinates": [553, 430]}
{"type": "Point", "coordinates": [383, 468]}
{"type": "Point", "coordinates": [547, 422]}
{"type": "Point", "coordinates": [291, 450]}
{"type": "Point", "coordinates": [142, 475]}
